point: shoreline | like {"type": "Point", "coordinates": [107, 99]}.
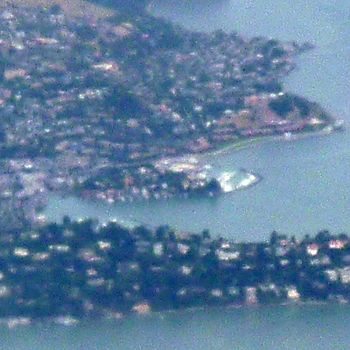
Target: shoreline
{"type": "Point", "coordinates": [231, 147]}
{"type": "Point", "coordinates": [191, 293]}
{"type": "Point", "coordinates": [136, 184]}
{"type": "Point", "coordinates": [241, 145]}
{"type": "Point", "coordinates": [12, 323]}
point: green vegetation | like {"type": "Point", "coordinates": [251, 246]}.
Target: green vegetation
{"type": "Point", "coordinates": [83, 269]}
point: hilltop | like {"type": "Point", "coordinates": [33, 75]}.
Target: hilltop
{"type": "Point", "coordinates": [129, 5]}
{"type": "Point", "coordinates": [70, 7]}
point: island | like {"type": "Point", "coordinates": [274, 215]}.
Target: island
{"type": "Point", "coordinates": [79, 270]}
{"type": "Point", "coordinates": [97, 106]}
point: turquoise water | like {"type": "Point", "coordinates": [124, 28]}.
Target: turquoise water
{"type": "Point", "coordinates": [305, 188]}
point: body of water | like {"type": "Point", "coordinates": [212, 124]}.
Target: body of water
{"type": "Point", "coordinates": [305, 188]}
{"type": "Point", "coordinates": [265, 328]}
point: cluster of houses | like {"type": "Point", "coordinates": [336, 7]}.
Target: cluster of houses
{"type": "Point", "coordinates": [85, 269]}
{"type": "Point", "coordinates": [148, 182]}
{"type": "Point", "coordinates": [81, 97]}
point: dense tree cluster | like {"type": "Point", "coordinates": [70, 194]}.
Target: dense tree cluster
{"type": "Point", "coordinates": [83, 269]}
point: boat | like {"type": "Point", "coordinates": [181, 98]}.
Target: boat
{"type": "Point", "coordinates": [289, 136]}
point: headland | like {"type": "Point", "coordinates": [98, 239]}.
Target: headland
{"type": "Point", "coordinates": [91, 105]}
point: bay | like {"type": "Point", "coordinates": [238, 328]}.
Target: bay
{"type": "Point", "coordinates": [305, 188]}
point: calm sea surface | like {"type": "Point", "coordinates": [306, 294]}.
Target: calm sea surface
{"type": "Point", "coordinates": [306, 187]}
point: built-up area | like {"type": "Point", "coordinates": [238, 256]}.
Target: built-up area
{"type": "Point", "coordinates": [79, 270]}
{"type": "Point", "coordinates": [88, 105]}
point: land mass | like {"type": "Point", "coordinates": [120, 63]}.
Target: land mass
{"type": "Point", "coordinates": [76, 270]}
{"type": "Point", "coordinates": [91, 105]}
{"type": "Point", "coordinates": [114, 106]}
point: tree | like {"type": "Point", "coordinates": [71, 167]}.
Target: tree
{"type": "Point", "coordinates": [273, 238]}
{"type": "Point", "coordinates": [162, 232]}
{"type": "Point", "coordinates": [66, 221]}
{"type": "Point", "coordinates": [213, 186]}
{"type": "Point", "coordinates": [303, 105]}
{"type": "Point", "coordinates": [323, 236]}
{"type": "Point", "coordinates": [55, 10]}
{"type": "Point", "coordinates": [206, 234]}
{"type": "Point", "coordinates": [282, 105]}
{"type": "Point", "coordinates": [142, 232]}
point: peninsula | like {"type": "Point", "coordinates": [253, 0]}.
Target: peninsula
{"type": "Point", "coordinates": [91, 105]}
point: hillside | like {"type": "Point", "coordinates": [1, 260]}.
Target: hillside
{"type": "Point", "coordinates": [128, 5]}
{"type": "Point", "coordinates": [71, 7]}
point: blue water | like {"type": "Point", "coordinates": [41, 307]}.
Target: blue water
{"type": "Point", "coordinates": [305, 188]}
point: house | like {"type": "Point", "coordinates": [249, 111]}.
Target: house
{"type": "Point", "coordinates": [227, 255]}
{"type": "Point", "coordinates": [312, 249]}
{"type": "Point", "coordinates": [336, 244]}
{"type": "Point", "coordinates": [142, 308]}
{"type": "Point", "coordinates": [292, 293]}
{"type": "Point", "coordinates": [251, 295]}
{"type": "Point", "coordinates": [344, 274]}
{"type": "Point", "coordinates": [331, 275]}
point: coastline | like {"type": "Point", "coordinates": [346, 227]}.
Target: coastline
{"type": "Point", "coordinates": [13, 323]}
{"type": "Point", "coordinates": [239, 145]}
{"type": "Point", "coordinates": [85, 165]}
{"type": "Point", "coordinates": [172, 255]}
{"type": "Point", "coordinates": [229, 147]}
{"type": "Point", "coordinates": [209, 328]}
